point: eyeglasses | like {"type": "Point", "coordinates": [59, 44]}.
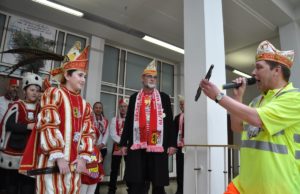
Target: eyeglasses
{"type": "Point", "coordinates": [151, 76]}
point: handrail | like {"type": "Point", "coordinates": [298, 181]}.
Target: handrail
{"type": "Point", "coordinates": [228, 149]}
{"type": "Point", "coordinates": [212, 145]}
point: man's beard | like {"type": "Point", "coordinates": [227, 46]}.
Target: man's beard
{"type": "Point", "coordinates": [150, 86]}
{"type": "Point", "coordinates": [13, 94]}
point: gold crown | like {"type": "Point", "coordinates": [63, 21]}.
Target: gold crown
{"type": "Point", "coordinates": [76, 61]}
{"type": "Point", "coordinates": [150, 69]}
{"type": "Point", "coordinates": [266, 51]}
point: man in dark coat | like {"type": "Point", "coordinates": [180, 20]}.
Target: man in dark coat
{"type": "Point", "coordinates": [148, 136]}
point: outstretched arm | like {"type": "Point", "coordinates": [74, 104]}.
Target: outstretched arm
{"type": "Point", "coordinates": [236, 108]}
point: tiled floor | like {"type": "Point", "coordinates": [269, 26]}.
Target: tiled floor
{"type": "Point", "coordinates": [171, 189]}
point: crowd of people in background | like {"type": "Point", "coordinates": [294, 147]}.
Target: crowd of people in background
{"type": "Point", "coordinates": [55, 126]}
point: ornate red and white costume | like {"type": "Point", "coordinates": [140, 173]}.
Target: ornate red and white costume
{"type": "Point", "coordinates": [6, 100]}
{"type": "Point", "coordinates": [116, 129]}
{"type": "Point", "coordinates": [14, 132]}
{"type": "Point", "coordinates": [101, 126]}
{"type": "Point", "coordinates": [63, 130]}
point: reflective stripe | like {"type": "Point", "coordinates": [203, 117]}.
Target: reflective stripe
{"type": "Point", "coordinates": [255, 101]}
{"type": "Point", "coordinates": [292, 90]}
{"type": "Point", "coordinates": [297, 155]}
{"type": "Point", "coordinates": [297, 138]}
{"type": "Point", "coordinates": [279, 133]}
{"type": "Point", "coordinates": [267, 146]}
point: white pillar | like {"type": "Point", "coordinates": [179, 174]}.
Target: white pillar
{"type": "Point", "coordinates": [94, 76]}
{"type": "Point", "coordinates": [205, 121]}
{"type": "Point", "coordinates": [290, 39]}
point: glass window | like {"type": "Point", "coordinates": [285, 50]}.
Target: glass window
{"type": "Point", "coordinates": [59, 46]}
{"type": "Point", "coordinates": [122, 68]}
{"type": "Point", "coordinates": [134, 68]}
{"type": "Point", "coordinates": [129, 92]}
{"type": "Point", "coordinates": [108, 89]}
{"type": "Point", "coordinates": [167, 83]}
{"type": "Point", "coordinates": [2, 25]}
{"type": "Point", "coordinates": [110, 64]}
{"type": "Point", "coordinates": [109, 104]}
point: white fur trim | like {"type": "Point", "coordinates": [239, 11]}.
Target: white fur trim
{"type": "Point", "coordinates": [9, 161]}
{"type": "Point", "coordinates": [87, 158]}
{"type": "Point", "coordinates": [55, 156]}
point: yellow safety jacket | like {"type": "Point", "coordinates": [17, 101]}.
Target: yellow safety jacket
{"type": "Point", "coordinates": [270, 156]}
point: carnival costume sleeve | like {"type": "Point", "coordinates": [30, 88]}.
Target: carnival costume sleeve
{"type": "Point", "coordinates": [51, 139]}
{"type": "Point", "coordinates": [88, 135]}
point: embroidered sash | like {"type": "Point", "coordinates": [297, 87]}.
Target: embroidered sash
{"type": "Point", "coordinates": [148, 125]}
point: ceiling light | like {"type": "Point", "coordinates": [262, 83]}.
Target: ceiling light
{"type": "Point", "coordinates": [241, 73]}
{"type": "Point", "coordinates": [163, 44]}
{"type": "Point", "coordinates": [59, 7]}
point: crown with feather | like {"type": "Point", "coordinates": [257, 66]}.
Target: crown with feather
{"type": "Point", "coordinates": [73, 60]}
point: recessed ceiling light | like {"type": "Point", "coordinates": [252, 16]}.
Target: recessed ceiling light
{"type": "Point", "coordinates": [60, 7]}
{"type": "Point", "coordinates": [163, 44]}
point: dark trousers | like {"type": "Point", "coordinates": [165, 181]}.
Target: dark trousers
{"type": "Point", "coordinates": [151, 167]}
{"type": "Point", "coordinates": [18, 183]}
{"type": "Point", "coordinates": [115, 168]}
{"type": "Point", "coordinates": [3, 174]}
{"type": "Point", "coordinates": [103, 153]}
{"type": "Point", "coordinates": [179, 169]}
{"type": "Point", "coordinates": [142, 188]}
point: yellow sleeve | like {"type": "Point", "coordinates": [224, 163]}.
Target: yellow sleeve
{"type": "Point", "coordinates": [280, 113]}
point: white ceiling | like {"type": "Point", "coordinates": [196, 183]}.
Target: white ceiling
{"type": "Point", "coordinates": [246, 22]}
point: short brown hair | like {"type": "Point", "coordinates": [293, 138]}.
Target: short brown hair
{"type": "Point", "coordinates": [69, 72]}
{"type": "Point", "coordinates": [286, 72]}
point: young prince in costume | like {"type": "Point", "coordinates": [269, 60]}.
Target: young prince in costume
{"type": "Point", "coordinates": [64, 132]}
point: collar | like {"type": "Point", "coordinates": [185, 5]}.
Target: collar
{"type": "Point", "coordinates": [64, 88]}
{"type": "Point", "coordinates": [273, 92]}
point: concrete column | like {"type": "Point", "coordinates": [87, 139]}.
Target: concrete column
{"type": "Point", "coordinates": [290, 39]}
{"type": "Point", "coordinates": [94, 76]}
{"type": "Point", "coordinates": [205, 121]}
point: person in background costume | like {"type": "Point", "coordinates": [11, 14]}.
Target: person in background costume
{"type": "Point", "coordinates": [148, 136]}
{"type": "Point", "coordinates": [116, 129]}
{"type": "Point", "coordinates": [16, 128]}
{"type": "Point", "coordinates": [9, 97]}
{"type": "Point", "coordinates": [179, 127]}
{"type": "Point", "coordinates": [270, 126]}
{"type": "Point", "coordinates": [89, 182]}
{"type": "Point", "coordinates": [101, 128]}
{"type": "Point", "coordinates": [64, 132]}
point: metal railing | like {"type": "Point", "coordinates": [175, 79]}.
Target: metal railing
{"type": "Point", "coordinates": [229, 162]}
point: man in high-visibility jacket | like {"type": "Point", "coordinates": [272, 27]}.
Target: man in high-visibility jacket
{"type": "Point", "coordinates": [270, 126]}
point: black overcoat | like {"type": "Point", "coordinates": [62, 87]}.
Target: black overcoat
{"type": "Point", "coordinates": [140, 165]}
